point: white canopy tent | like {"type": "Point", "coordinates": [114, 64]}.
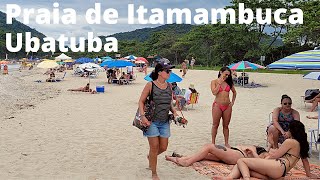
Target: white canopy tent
{"type": "Point", "coordinates": [62, 57]}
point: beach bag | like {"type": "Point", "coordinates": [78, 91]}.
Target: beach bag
{"type": "Point", "coordinates": [149, 107]}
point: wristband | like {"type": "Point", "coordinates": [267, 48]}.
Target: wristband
{"type": "Point", "coordinates": [142, 115]}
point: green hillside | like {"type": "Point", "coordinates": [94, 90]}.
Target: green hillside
{"type": "Point", "coordinates": [14, 28]}
{"type": "Point", "coordinates": [145, 33]}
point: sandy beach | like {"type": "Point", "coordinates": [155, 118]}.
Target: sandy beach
{"type": "Point", "coordinates": [48, 132]}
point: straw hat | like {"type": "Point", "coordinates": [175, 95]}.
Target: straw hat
{"type": "Point", "coordinates": [191, 86]}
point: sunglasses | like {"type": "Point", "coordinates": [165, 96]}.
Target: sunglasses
{"type": "Point", "coordinates": [287, 104]}
{"type": "Point", "coordinates": [167, 70]}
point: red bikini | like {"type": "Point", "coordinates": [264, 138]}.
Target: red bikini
{"type": "Point", "coordinates": [223, 107]}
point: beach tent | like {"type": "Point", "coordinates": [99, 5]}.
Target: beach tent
{"type": "Point", "coordinates": [62, 57]}
{"type": "Point", "coordinates": [302, 60]}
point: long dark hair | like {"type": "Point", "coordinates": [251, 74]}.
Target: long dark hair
{"type": "Point", "coordinates": [229, 79]}
{"type": "Point", "coordinates": [155, 73]}
{"type": "Point", "coordinates": [285, 97]}
{"type": "Point", "coordinates": [298, 133]}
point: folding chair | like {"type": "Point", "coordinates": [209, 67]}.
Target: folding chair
{"type": "Point", "coordinates": [314, 135]}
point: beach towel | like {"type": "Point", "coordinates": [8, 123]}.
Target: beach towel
{"type": "Point", "coordinates": [212, 168]}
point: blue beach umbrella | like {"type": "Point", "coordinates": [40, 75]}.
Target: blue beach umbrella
{"type": "Point", "coordinates": [312, 75]}
{"type": "Point", "coordinates": [84, 60]}
{"type": "Point", "coordinates": [117, 64]}
{"type": "Point", "coordinates": [172, 78]}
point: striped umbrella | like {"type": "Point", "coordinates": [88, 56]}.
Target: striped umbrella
{"type": "Point", "coordinates": [242, 65]}
{"type": "Point", "coordinates": [302, 60]}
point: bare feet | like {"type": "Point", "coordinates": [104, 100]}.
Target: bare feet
{"type": "Point", "coordinates": [179, 161]}
{"type": "Point", "coordinates": [312, 117]}
{"type": "Point", "coordinates": [227, 145]}
{"type": "Point", "coordinates": [155, 177]}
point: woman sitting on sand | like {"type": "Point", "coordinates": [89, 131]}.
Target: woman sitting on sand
{"type": "Point", "coordinates": [84, 89]}
{"type": "Point", "coordinates": [280, 161]}
{"type": "Point", "coordinates": [281, 119]}
{"type": "Point", "coordinates": [220, 153]}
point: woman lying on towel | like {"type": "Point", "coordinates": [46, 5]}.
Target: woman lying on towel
{"type": "Point", "coordinates": [280, 161]}
{"type": "Point", "coordinates": [220, 153]}
{"type": "Point", "coordinates": [84, 89]}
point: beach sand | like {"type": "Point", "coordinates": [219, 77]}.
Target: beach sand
{"type": "Point", "coordinates": [48, 132]}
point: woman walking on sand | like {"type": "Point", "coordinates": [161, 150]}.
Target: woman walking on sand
{"type": "Point", "coordinates": [222, 106]}
{"type": "Point", "coordinates": [158, 132]}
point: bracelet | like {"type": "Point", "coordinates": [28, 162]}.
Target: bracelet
{"type": "Point", "coordinates": [142, 115]}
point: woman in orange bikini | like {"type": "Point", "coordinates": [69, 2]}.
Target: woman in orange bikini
{"type": "Point", "coordinates": [222, 107]}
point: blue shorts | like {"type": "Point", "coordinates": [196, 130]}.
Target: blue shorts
{"type": "Point", "coordinates": [158, 128]}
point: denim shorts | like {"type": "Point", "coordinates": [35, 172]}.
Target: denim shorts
{"type": "Point", "coordinates": [158, 128]}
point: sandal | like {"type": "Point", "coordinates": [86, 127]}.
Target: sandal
{"type": "Point", "coordinates": [174, 154]}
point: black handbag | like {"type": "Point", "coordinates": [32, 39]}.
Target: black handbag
{"type": "Point", "coordinates": [149, 107]}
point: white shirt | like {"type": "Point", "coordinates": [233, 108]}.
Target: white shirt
{"type": "Point", "coordinates": [130, 69]}
{"type": "Point", "coordinates": [187, 94]}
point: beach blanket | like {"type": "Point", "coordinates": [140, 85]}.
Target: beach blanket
{"type": "Point", "coordinates": [211, 168]}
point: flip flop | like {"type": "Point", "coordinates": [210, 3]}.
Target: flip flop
{"type": "Point", "coordinates": [174, 154]}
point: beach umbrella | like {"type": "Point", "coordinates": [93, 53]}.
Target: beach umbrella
{"type": "Point", "coordinates": [242, 65]}
{"type": "Point", "coordinates": [89, 66]}
{"type": "Point", "coordinates": [302, 60]}
{"type": "Point", "coordinates": [118, 64]}
{"type": "Point", "coordinates": [69, 61]}
{"type": "Point", "coordinates": [172, 78]}
{"type": "Point", "coordinates": [139, 62]}
{"type": "Point", "coordinates": [312, 75]}
{"type": "Point", "coordinates": [131, 57]}
{"type": "Point", "coordinates": [84, 60]}
{"type": "Point", "coordinates": [142, 59]}
{"type": "Point", "coordinates": [163, 60]}
{"type": "Point", "coordinates": [48, 64]}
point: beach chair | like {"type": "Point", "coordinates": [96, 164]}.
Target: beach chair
{"type": "Point", "coordinates": [314, 135]}
{"type": "Point", "coordinates": [194, 97]}
{"type": "Point", "coordinates": [61, 79]}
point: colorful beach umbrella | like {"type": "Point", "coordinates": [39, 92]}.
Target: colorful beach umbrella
{"type": "Point", "coordinates": [312, 75]}
{"type": "Point", "coordinates": [302, 60]}
{"type": "Point", "coordinates": [242, 65]}
{"type": "Point", "coordinates": [172, 78]}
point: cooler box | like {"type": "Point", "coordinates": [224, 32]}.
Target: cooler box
{"type": "Point", "coordinates": [100, 89]}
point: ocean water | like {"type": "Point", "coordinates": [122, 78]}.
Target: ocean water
{"type": "Point", "coordinates": [13, 67]}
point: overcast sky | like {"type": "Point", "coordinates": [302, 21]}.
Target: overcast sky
{"type": "Point", "coordinates": [81, 28]}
